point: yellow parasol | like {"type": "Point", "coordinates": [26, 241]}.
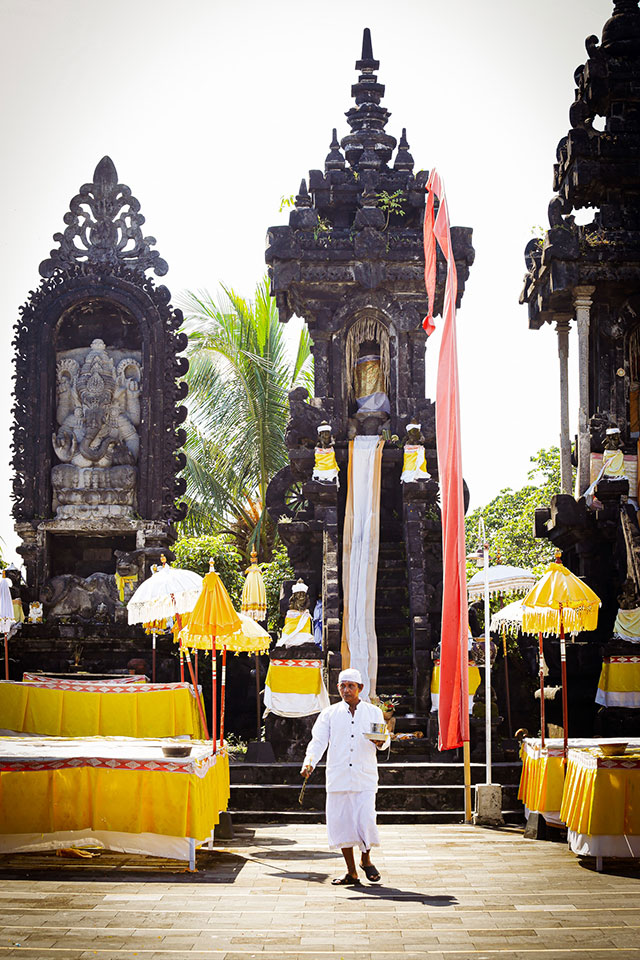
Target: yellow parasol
{"type": "Point", "coordinates": [254, 605]}
{"type": "Point", "coordinates": [559, 601]}
{"type": "Point", "coordinates": [213, 617]}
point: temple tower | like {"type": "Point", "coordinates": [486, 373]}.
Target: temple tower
{"type": "Point", "coordinates": [96, 435]}
{"type": "Point", "coordinates": [589, 275]}
{"type": "Point", "coordinates": [351, 263]}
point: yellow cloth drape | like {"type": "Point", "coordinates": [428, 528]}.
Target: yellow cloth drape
{"type": "Point", "coordinates": [70, 713]}
{"type": "Point", "coordinates": [294, 679]}
{"type": "Point", "coordinates": [130, 801]}
{"type": "Point", "coordinates": [254, 594]}
{"type": "Point", "coordinates": [627, 623]}
{"type": "Point", "coordinates": [602, 796]}
{"type": "Point", "coordinates": [541, 781]}
{"type": "Point", "coordinates": [474, 678]}
{"type": "Point", "coordinates": [368, 377]}
{"type": "Point", "coordinates": [620, 676]}
{"type": "Point", "coordinates": [121, 582]}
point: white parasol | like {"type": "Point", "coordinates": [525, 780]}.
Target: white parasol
{"type": "Point", "coordinates": [508, 619]}
{"type": "Point", "coordinates": [502, 578]}
{"type": "Point", "coordinates": [168, 591]}
{"type": "Point", "coordinates": [7, 618]}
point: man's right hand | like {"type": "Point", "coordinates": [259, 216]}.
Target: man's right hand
{"type": "Point", "coordinates": [306, 771]}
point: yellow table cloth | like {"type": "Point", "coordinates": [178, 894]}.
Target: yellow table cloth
{"type": "Point", "coordinates": [542, 777]}
{"type": "Point", "coordinates": [474, 683]}
{"type": "Point", "coordinates": [295, 688]}
{"type": "Point", "coordinates": [68, 709]}
{"type": "Point", "coordinates": [108, 786]}
{"type": "Point", "coordinates": [619, 683]}
{"type": "Point", "coordinates": [602, 794]}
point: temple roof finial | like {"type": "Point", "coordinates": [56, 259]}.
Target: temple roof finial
{"type": "Point", "coordinates": [404, 160]}
{"type": "Point", "coordinates": [367, 49]}
{"type": "Point", "coordinates": [368, 146]}
{"type": "Point", "coordinates": [334, 159]}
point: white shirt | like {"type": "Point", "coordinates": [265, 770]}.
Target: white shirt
{"type": "Point", "coordinates": [351, 760]}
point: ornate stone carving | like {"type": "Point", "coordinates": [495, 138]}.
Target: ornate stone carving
{"type": "Point", "coordinates": [98, 413]}
{"type": "Point", "coordinates": [104, 226]}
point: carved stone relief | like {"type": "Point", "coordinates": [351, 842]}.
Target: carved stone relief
{"type": "Point", "coordinates": [96, 439]}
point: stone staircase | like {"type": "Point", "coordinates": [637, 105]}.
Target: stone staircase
{"type": "Point", "coordinates": [409, 792]}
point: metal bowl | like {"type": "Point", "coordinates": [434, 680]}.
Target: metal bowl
{"type": "Point", "coordinates": [176, 750]}
{"type": "Point", "coordinates": [614, 749]}
{"type": "Point", "coordinates": [380, 728]}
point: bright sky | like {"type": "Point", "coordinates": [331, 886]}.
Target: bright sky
{"type": "Point", "coordinates": [213, 110]}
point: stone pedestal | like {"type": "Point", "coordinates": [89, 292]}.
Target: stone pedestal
{"type": "Point", "coordinates": [488, 812]}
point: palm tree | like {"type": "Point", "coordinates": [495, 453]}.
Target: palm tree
{"type": "Point", "coordinates": [241, 368]}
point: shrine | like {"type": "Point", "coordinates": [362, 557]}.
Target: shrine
{"type": "Point", "coordinates": [366, 542]}
{"type": "Point", "coordinates": [96, 434]}
{"type": "Point", "coordinates": [588, 275]}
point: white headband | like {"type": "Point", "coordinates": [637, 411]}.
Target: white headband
{"type": "Point", "coordinates": [350, 676]}
{"type": "Point", "coordinates": [614, 430]}
{"type": "Point", "coordinates": [413, 426]}
{"type": "Point", "coordinates": [323, 427]}
{"type": "Point", "coordinates": [299, 588]}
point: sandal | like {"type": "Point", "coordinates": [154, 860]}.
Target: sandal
{"type": "Point", "coordinates": [346, 881]}
{"type": "Point", "coordinates": [371, 872]}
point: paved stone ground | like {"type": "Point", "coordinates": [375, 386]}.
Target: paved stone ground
{"type": "Point", "coordinates": [447, 892]}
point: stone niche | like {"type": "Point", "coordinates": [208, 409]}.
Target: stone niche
{"type": "Point", "coordinates": [96, 455]}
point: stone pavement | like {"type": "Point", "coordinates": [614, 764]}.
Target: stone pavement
{"type": "Point", "coordinates": [447, 892]}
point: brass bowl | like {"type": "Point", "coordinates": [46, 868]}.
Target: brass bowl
{"type": "Point", "coordinates": [176, 750]}
{"type": "Point", "coordinates": [614, 749]}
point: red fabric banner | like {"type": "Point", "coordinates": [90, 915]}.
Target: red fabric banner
{"type": "Point", "coordinates": [453, 709]}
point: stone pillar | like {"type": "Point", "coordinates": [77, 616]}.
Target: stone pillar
{"type": "Point", "coordinates": [582, 302]}
{"type": "Point", "coordinates": [562, 327]}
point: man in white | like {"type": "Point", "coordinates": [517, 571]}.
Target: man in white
{"type": "Point", "coordinates": [352, 773]}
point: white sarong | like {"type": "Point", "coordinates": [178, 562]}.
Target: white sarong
{"type": "Point", "coordinates": [351, 819]}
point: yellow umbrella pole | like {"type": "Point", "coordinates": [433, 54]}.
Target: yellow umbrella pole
{"type": "Point", "coordinates": [565, 704]}
{"type": "Point", "coordinates": [223, 690]}
{"type": "Point", "coordinates": [541, 659]}
{"type": "Point", "coordinates": [214, 694]}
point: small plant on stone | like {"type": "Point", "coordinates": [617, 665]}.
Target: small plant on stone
{"type": "Point", "coordinates": [391, 203]}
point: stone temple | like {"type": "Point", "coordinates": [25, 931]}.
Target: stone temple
{"type": "Point", "coordinates": [96, 435]}
{"type": "Point", "coordinates": [351, 263]}
{"type": "Point", "coordinates": [589, 275]}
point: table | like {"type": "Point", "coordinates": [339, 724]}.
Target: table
{"type": "Point", "coordinates": [542, 779]}
{"type": "Point", "coordinates": [113, 792]}
{"type": "Point", "coordinates": [72, 708]}
{"type": "Point", "coordinates": [601, 804]}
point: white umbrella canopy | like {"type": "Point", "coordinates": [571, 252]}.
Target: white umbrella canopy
{"type": "Point", "coordinates": [7, 618]}
{"type": "Point", "coordinates": [168, 591]}
{"type": "Point", "coordinates": [508, 619]}
{"type": "Point", "coordinates": [503, 578]}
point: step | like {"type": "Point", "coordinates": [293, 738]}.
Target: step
{"type": "Point", "coordinates": [419, 798]}
{"type": "Point", "coordinates": [410, 817]}
{"type": "Point", "coordinates": [390, 773]}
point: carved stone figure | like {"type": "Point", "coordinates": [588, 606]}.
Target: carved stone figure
{"type": "Point", "coordinates": [414, 467]}
{"type": "Point", "coordinates": [98, 413]}
{"type": "Point", "coordinates": [70, 597]}
{"type": "Point", "coordinates": [325, 467]}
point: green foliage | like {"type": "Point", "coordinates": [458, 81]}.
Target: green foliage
{"type": "Point", "coordinates": [273, 573]}
{"type": "Point", "coordinates": [391, 204]}
{"type": "Point", "coordinates": [286, 202]}
{"type": "Point", "coordinates": [194, 553]}
{"type": "Point", "coordinates": [509, 518]}
{"type": "Point", "coordinates": [323, 227]}
{"type": "Point", "coordinates": [241, 370]}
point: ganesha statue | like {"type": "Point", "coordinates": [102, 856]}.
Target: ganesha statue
{"type": "Point", "coordinates": [96, 440]}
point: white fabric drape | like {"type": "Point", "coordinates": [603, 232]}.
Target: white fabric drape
{"type": "Point", "coordinates": [360, 558]}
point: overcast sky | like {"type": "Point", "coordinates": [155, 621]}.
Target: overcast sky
{"type": "Point", "coordinates": [213, 110]}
